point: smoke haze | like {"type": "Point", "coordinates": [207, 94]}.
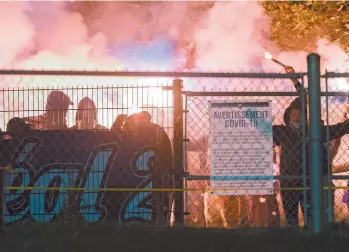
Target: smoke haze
{"type": "Point", "coordinates": [230, 36]}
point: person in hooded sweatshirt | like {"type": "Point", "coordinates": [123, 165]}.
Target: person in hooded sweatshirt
{"type": "Point", "coordinates": [54, 118]}
{"type": "Point", "coordinates": [289, 138]}
{"type": "Point", "coordinates": [86, 116]}
{"type": "Point", "coordinates": [292, 115]}
{"type": "Point", "coordinates": [118, 123]}
{"type": "Point", "coordinates": [140, 126]}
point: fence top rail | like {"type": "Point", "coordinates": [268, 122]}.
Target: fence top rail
{"type": "Point", "coordinates": [241, 178]}
{"type": "Point", "coordinates": [335, 75]}
{"type": "Point", "coordinates": [152, 74]}
{"type": "Point", "coordinates": [259, 93]}
{"type": "Point", "coordinates": [339, 93]}
{"type": "Point", "coordinates": [80, 88]}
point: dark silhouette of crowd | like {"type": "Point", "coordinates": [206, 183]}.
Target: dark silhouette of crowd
{"type": "Point", "coordinates": [54, 117]}
{"type": "Point", "coordinates": [287, 137]}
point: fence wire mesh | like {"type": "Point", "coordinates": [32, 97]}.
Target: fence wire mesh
{"type": "Point", "coordinates": [90, 152]}
{"type": "Point", "coordinates": [225, 211]}
{"type": "Point", "coordinates": [83, 160]}
{"type": "Point", "coordinates": [334, 111]}
{"type": "Point", "coordinates": [285, 206]}
{"type": "Point", "coordinates": [28, 96]}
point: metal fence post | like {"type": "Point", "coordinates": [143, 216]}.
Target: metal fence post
{"type": "Point", "coordinates": [315, 146]}
{"type": "Point", "coordinates": [2, 201]}
{"type": "Point", "coordinates": [329, 196]}
{"type": "Point", "coordinates": [305, 120]}
{"type": "Point", "coordinates": [178, 150]}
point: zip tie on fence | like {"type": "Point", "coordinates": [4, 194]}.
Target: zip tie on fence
{"type": "Point", "coordinates": [165, 189]}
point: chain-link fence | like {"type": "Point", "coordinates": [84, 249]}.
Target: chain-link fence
{"type": "Point", "coordinates": [71, 149]}
{"type": "Point", "coordinates": [333, 111]}
{"type": "Point", "coordinates": [94, 150]}
{"type": "Point", "coordinates": [256, 209]}
{"type": "Point", "coordinates": [290, 200]}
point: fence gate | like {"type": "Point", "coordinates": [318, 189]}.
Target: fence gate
{"type": "Point", "coordinates": [203, 208]}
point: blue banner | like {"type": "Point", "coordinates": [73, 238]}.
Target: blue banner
{"type": "Point", "coordinates": [73, 174]}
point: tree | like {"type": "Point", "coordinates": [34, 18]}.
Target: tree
{"type": "Point", "coordinates": [295, 25]}
{"type": "Point", "coordinates": [298, 25]}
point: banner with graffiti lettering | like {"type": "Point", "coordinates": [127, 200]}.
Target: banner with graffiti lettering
{"type": "Point", "coordinates": [241, 148]}
{"type": "Point", "coordinates": [83, 174]}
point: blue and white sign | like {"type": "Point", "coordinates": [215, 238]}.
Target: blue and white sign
{"type": "Point", "coordinates": [241, 148]}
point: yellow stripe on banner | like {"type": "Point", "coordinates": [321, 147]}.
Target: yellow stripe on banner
{"type": "Point", "coordinates": [164, 189]}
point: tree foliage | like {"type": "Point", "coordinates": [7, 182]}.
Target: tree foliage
{"type": "Point", "coordinates": [298, 25]}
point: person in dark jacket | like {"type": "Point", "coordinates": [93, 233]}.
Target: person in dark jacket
{"type": "Point", "coordinates": [140, 126]}
{"type": "Point", "coordinates": [329, 147]}
{"type": "Point", "coordinates": [54, 118]}
{"type": "Point", "coordinates": [289, 137]}
{"type": "Point", "coordinates": [86, 116]}
{"type": "Point", "coordinates": [133, 122]}
{"type": "Point", "coordinates": [17, 124]}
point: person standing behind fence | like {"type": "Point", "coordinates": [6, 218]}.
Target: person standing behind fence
{"type": "Point", "coordinates": [228, 211]}
{"type": "Point", "coordinates": [86, 116]}
{"type": "Point", "coordinates": [54, 118]}
{"type": "Point", "coordinates": [332, 146]}
{"type": "Point", "coordinates": [17, 124]}
{"type": "Point", "coordinates": [289, 137]}
{"type": "Point", "coordinates": [263, 210]}
{"type": "Point", "coordinates": [118, 123]}
{"type": "Point", "coordinates": [140, 126]}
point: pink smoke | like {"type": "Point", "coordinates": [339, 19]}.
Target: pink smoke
{"type": "Point", "coordinates": [231, 36]}
{"type": "Point", "coordinates": [47, 36]}
{"type": "Point", "coordinates": [16, 31]}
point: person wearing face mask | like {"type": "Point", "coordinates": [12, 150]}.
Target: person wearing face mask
{"type": "Point", "coordinates": [289, 138]}
{"type": "Point", "coordinates": [86, 116]}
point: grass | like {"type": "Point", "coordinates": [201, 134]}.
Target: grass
{"type": "Point", "coordinates": [81, 237]}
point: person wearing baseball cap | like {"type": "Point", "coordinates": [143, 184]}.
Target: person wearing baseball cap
{"type": "Point", "coordinates": [54, 118]}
